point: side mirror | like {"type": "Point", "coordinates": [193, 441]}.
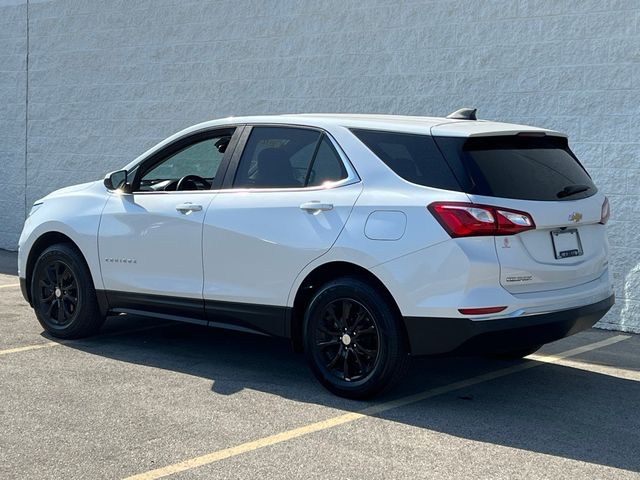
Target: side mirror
{"type": "Point", "coordinates": [116, 180]}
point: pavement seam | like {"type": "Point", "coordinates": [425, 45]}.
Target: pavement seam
{"type": "Point", "coordinates": [277, 438]}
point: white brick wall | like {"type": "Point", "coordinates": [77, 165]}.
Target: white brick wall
{"type": "Point", "coordinates": [108, 79]}
{"type": "Point", "coordinates": [13, 47]}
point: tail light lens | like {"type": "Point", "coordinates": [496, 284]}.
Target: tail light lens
{"type": "Point", "coordinates": [606, 212]}
{"type": "Point", "coordinates": [461, 219]}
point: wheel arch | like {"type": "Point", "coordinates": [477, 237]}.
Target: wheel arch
{"type": "Point", "coordinates": [43, 242]}
{"type": "Point", "coordinates": [318, 277]}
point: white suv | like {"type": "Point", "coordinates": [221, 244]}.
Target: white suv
{"type": "Point", "coordinates": [363, 238]}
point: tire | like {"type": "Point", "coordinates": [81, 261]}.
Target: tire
{"type": "Point", "coordinates": [354, 341]}
{"type": "Point", "coordinates": [516, 354]}
{"type": "Point", "coordinates": [63, 295]}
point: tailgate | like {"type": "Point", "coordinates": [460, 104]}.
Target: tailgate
{"type": "Point", "coordinates": [536, 173]}
{"type": "Point", "coordinates": [567, 248]}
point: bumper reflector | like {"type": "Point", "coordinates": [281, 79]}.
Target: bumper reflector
{"type": "Point", "coordinates": [481, 311]}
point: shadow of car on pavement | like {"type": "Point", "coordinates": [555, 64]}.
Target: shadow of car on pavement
{"type": "Point", "coordinates": [556, 410]}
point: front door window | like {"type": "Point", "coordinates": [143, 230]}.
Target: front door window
{"type": "Point", "coordinates": [194, 167]}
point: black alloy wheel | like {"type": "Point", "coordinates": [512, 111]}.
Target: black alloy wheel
{"type": "Point", "coordinates": [347, 339]}
{"type": "Point", "coordinates": [62, 293]}
{"type": "Point", "coordinates": [58, 293]}
{"type": "Point", "coordinates": [353, 338]}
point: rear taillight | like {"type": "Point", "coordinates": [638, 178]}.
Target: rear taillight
{"type": "Point", "coordinates": [606, 212]}
{"type": "Point", "coordinates": [461, 219]}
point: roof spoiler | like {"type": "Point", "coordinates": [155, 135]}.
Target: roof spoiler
{"type": "Point", "coordinates": [463, 114]}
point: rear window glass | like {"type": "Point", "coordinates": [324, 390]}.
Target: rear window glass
{"type": "Point", "coordinates": [518, 166]}
{"type": "Point", "coordinates": [415, 158]}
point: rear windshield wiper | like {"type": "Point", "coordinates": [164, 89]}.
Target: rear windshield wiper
{"type": "Point", "coordinates": [572, 190]}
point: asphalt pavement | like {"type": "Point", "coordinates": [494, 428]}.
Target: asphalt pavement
{"type": "Point", "coordinates": [153, 399]}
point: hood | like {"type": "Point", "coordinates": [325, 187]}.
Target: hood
{"type": "Point", "coordinates": [71, 189]}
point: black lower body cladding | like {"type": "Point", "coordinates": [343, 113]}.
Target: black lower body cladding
{"type": "Point", "coordinates": [462, 336]}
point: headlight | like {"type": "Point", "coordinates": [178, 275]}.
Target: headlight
{"type": "Point", "coordinates": [35, 207]}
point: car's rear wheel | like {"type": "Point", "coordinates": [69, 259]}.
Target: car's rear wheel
{"type": "Point", "coordinates": [354, 341]}
{"type": "Point", "coordinates": [63, 295]}
{"type": "Point", "coordinates": [516, 354]}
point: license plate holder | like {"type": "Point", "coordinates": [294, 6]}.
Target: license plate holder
{"type": "Point", "coordinates": [566, 243]}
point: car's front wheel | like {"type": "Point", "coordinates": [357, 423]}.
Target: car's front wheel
{"type": "Point", "coordinates": [63, 295]}
{"type": "Point", "coordinates": [354, 341]}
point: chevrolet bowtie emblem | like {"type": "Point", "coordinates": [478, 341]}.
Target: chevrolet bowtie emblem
{"type": "Point", "coordinates": [575, 217]}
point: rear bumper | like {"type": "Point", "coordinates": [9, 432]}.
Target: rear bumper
{"type": "Point", "coordinates": [439, 336]}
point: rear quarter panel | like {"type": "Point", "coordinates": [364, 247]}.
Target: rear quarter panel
{"type": "Point", "coordinates": [420, 230]}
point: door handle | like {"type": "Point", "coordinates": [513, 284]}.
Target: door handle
{"type": "Point", "coordinates": [187, 208]}
{"type": "Point", "coordinates": [316, 207]}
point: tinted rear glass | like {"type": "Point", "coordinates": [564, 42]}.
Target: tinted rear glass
{"type": "Point", "coordinates": [415, 158]}
{"type": "Point", "coordinates": [516, 166]}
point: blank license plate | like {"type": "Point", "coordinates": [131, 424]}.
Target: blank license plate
{"type": "Point", "coordinates": [566, 243]}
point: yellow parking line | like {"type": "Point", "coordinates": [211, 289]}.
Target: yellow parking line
{"type": "Point", "coordinates": [10, 286]}
{"type": "Point", "coordinates": [97, 337]}
{"type": "Point", "coordinates": [28, 347]}
{"type": "Point", "coordinates": [353, 416]}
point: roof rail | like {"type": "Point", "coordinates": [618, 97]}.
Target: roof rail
{"type": "Point", "coordinates": [463, 114]}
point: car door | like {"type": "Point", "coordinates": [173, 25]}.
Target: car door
{"type": "Point", "coordinates": [290, 192]}
{"type": "Point", "coordinates": [150, 240]}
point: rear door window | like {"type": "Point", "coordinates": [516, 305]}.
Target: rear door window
{"type": "Point", "coordinates": [276, 157]}
{"type": "Point", "coordinates": [518, 166]}
{"type": "Point", "coordinates": [287, 157]}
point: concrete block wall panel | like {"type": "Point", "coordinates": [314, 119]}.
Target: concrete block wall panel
{"type": "Point", "coordinates": [109, 79]}
{"type": "Point", "coordinates": [13, 90]}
